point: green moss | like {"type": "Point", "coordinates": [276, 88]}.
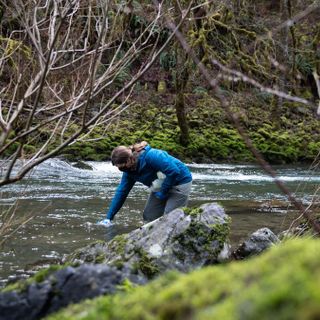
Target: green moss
{"type": "Point", "coordinates": [281, 284]}
{"type": "Point", "coordinates": [100, 258]}
{"type": "Point", "coordinates": [146, 264]}
{"type": "Point", "coordinates": [119, 243]}
{"type": "Point", "coordinates": [43, 274]}
{"type": "Point", "coordinates": [201, 237]}
{"type": "Point", "coordinates": [313, 149]}
{"type": "Point", "coordinates": [197, 238]}
{"type": "Point", "coordinates": [40, 276]}
{"type": "Point", "coordinates": [193, 211]}
{"type": "Point", "coordinates": [212, 138]}
{"type": "Point", "coordinates": [93, 253]}
{"type": "Point", "coordinates": [11, 150]}
{"type": "Point", "coordinates": [220, 232]}
{"type": "Point", "coordinates": [126, 286]}
{"type": "Point", "coordinates": [118, 264]}
{"type": "Point", "coordinates": [118, 246]}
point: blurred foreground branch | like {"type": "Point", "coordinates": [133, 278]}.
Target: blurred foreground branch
{"type": "Point", "coordinates": [214, 84]}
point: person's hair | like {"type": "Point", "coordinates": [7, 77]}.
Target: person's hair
{"type": "Point", "coordinates": [139, 146]}
{"type": "Point", "coordinates": [120, 155]}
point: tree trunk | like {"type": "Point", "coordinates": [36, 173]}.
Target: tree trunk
{"type": "Point", "coordinates": [181, 80]}
{"type": "Point", "coordinates": [182, 118]}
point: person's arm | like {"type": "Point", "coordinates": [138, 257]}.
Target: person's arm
{"type": "Point", "coordinates": [120, 196]}
{"type": "Point", "coordinates": [161, 161]}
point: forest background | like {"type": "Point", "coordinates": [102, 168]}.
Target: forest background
{"type": "Point", "coordinates": [81, 77]}
{"type": "Point", "coordinates": [208, 81]}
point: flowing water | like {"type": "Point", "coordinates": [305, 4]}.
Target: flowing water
{"type": "Point", "coordinates": [66, 203]}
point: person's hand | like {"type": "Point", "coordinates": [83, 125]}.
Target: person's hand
{"type": "Point", "coordinates": [105, 223]}
{"type": "Point", "coordinates": [160, 195]}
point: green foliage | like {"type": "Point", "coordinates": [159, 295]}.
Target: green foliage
{"type": "Point", "coordinates": [167, 60]}
{"type": "Point", "coordinates": [11, 150]}
{"type": "Point", "coordinates": [122, 76]}
{"type": "Point", "coordinates": [200, 90]}
{"type": "Point", "coordinates": [313, 149]}
{"type": "Point", "coordinates": [146, 265]}
{"type": "Point", "coordinates": [9, 46]}
{"type": "Point", "coordinates": [304, 65]}
{"type": "Point", "coordinates": [137, 22]}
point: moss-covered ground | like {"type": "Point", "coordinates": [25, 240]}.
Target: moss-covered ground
{"type": "Point", "coordinates": [292, 137]}
{"type": "Point", "coordinates": [283, 283]}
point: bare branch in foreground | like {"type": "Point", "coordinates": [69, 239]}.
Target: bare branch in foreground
{"type": "Point", "coordinates": [316, 78]}
{"type": "Point", "coordinates": [91, 66]}
{"type": "Point", "coordinates": [233, 117]}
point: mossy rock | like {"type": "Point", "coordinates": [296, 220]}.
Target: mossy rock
{"type": "Point", "coordinates": [40, 276]}
{"type": "Point", "coordinates": [180, 240]}
{"type": "Point", "coordinates": [280, 284]}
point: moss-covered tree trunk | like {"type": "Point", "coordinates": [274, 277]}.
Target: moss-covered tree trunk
{"type": "Point", "coordinates": [283, 52]}
{"type": "Point", "coordinates": [181, 80]}
{"type": "Point", "coordinates": [182, 118]}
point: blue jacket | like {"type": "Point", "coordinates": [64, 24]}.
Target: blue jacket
{"type": "Point", "coordinates": [149, 163]}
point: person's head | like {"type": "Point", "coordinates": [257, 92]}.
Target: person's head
{"type": "Point", "coordinates": [123, 158]}
{"type": "Point", "coordinates": [126, 158]}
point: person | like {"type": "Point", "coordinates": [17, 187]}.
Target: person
{"type": "Point", "coordinates": [168, 179]}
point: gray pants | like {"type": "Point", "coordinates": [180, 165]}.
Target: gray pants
{"type": "Point", "coordinates": [178, 197]}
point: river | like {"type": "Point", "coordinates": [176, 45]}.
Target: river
{"type": "Point", "coordinates": [66, 202]}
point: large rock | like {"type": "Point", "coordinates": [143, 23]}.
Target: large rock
{"type": "Point", "coordinates": [181, 240]}
{"type": "Point", "coordinates": [258, 241]}
{"type": "Point", "coordinates": [281, 284]}
{"type": "Point", "coordinates": [68, 285]}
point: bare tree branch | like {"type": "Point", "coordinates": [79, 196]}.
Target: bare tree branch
{"type": "Point", "coordinates": [234, 118]}
{"type": "Point", "coordinates": [58, 54]}
{"type": "Point", "coordinates": [316, 78]}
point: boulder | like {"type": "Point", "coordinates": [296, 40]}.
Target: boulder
{"type": "Point", "coordinates": [259, 241]}
{"type": "Point", "coordinates": [182, 240]}
{"type": "Point", "coordinates": [68, 285]}
{"type": "Point", "coordinates": [282, 283]}
{"type": "Point", "coordinates": [82, 165]}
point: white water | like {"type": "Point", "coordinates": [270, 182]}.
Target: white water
{"type": "Point", "coordinates": [58, 179]}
